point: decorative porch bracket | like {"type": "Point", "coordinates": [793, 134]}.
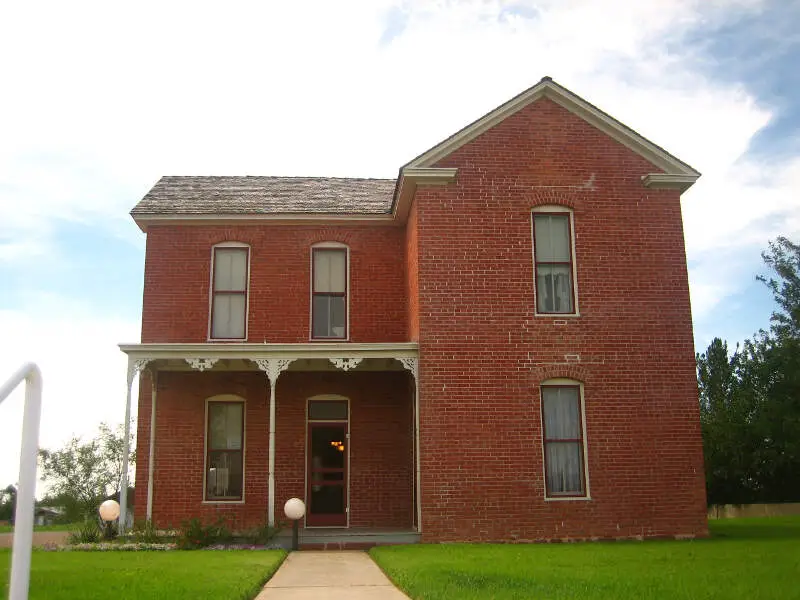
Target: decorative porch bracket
{"type": "Point", "coordinates": [345, 364]}
{"type": "Point", "coordinates": [134, 367]}
{"type": "Point", "coordinates": [201, 364]}
{"type": "Point", "coordinates": [273, 367]}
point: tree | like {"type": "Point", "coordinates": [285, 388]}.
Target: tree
{"type": "Point", "coordinates": [82, 474]}
{"type": "Point", "coordinates": [783, 257]}
{"type": "Point", "coordinates": [723, 419]}
{"type": "Point", "coordinates": [8, 503]}
{"type": "Point", "coordinates": [750, 400]}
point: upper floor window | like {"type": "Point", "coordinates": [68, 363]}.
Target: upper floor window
{"type": "Point", "coordinates": [329, 292]}
{"type": "Point", "coordinates": [563, 433]}
{"type": "Point", "coordinates": [229, 292]}
{"type": "Point", "coordinates": [553, 258]}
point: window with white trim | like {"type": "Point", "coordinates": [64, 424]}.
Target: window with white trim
{"type": "Point", "coordinates": [329, 293]}
{"type": "Point", "coordinates": [563, 435]}
{"type": "Point", "coordinates": [225, 451]}
{"type": "Point", "coordinates": [553, 260]}
{"type": "Point", "coordinates": [229, 281]}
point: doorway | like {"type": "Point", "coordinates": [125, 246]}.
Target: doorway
{"type": "Point", "coordinates": [327, 454]}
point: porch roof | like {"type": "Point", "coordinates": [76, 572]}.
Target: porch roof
{"type": "Point", "coordinates": [247, 356]}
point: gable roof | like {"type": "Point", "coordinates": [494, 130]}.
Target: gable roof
{"type": "Point", "coordinates": [681, 172]}
{"type": "Point", "coordinates": [248, 195]}
{"type": "Point", "coordinates": [388, 201]}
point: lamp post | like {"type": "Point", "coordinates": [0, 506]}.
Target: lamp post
{"type": "Point", "coordinates": [109, 512]}
{"type": "Point", "coordinates": [295, 509]}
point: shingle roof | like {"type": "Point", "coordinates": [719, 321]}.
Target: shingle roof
{"type": "Point", "coordinates": [267, 195]}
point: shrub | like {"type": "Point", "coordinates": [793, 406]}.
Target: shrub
{"type": "Point", "coordinates": [194, 534]}
{"type": "Point", "coordinates": [261, 536]}
{"type": "Point", "coordinates": [88, 533]}
{"type": "Point", "coordinates": [145, 532]}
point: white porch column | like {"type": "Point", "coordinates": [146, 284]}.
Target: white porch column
{"type": "Point", "coordinates": [134, 367]}
{"type": "Point", "coordinates": [273, 367]}
{"type": "Point", "coordinates": [151, 450]}
{"type": "Point", "coordinates": [412, 365]}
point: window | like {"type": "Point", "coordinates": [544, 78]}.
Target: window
{"type": "Point", "coordinates": [229, 293]}
{"type": "Point", "coordinates": [552, 235]}
{"type": "Point", "coordinates": [563, 440]}
{"type": "Point", "coordinates": [329, 293]}
{"type": "Point", "coordinates": [225, 448]}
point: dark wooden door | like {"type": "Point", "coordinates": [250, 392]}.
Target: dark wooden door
{"type": "Point", "coordinates": [327, 474]}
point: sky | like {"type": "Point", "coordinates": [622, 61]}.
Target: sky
{"type": "Point", "coordinates": [100, 99]}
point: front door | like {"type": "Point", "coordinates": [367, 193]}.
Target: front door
{"type": "Point", "coordinates": [327, 473]}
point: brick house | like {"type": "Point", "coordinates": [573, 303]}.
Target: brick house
{"type": "Point", "coordinates": [497, 345]}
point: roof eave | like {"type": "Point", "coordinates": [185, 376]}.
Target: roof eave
{"type": "Point", "coordinates": [410, 179]}
{"type": "Point", "coordinates": [144, 220]}
{"type": "Point", "coordinates": [668, 181]}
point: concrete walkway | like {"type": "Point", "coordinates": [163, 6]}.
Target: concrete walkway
{"type": "Point", "coordinates": [40, 538]}
{"type": "Point", "coordinates": [330, 574]}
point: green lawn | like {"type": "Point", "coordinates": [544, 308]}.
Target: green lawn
{"type": "Point", "coordinates": [176, 575]}
{"type": "Point", "coordinates": [63, 527]}
{"type": "Point", "coordinates": [745, 558]}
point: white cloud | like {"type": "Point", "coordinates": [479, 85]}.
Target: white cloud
{"type": "Point", "coordinates": [83, 371]}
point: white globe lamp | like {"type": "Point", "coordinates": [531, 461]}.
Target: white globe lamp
{"type": "Point", "coordinates": [109, 512]}
{"type": "Point", "coordinates": [295, 509]}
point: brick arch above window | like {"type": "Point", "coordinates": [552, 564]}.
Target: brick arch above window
{"type": "Point", "coordinates": [572, 371]}
{"type": "Point", "coordinates": [575, 197]}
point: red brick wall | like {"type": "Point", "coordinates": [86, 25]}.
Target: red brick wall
{"type": "Point", "coordinates": [484, 353]}
{"type": "Point", "coordinates": [380, 452]}
{"type": "Point", "coordinates": [177, 274]}
{"type": "Point", "coordinates": [412, 279]}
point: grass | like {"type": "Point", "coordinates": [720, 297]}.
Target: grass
{"type": "Point", "coordinates": [221, 575]}
{"type": "Point", "coordinates": [744, 558]}
{"type": "Point", "coordinates": [62, 527]}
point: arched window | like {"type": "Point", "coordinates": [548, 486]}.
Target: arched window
{"type": "Point", "coordinates": [225, 441]}
{"type": "Point", "coordinates": [329, 289]}
{"type": "Point", "coordinates": [554, 260]}
{"type": "Point", "coordinates": [564, 439]}
{"type": "Point", "coordinates": [230, 277]}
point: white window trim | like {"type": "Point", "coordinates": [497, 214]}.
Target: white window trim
{"type": "Point", "coordinates": [332, 246]}
{"type": "Point", "coordinates": [225, 398]}
{"type": "Point", "coordinates": [556, 208]}
{"type": "Point", "coordinates": [560, 381]}
{"type": "Point", "coordinates": [328, 398]}
{"type": "Point", "coordinates": [211, 292]}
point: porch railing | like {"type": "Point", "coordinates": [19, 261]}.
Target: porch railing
{"type": "Point", "coordinates": [23, 517]}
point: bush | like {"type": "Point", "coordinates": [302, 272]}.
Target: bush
{"type": "Point", "coordinates": [88, 533]}
{"type": "Point", "coordinates": [145, 532]}
{"type": "Point", "coordinates": [194, 534]}
{"type": "Point", "coordinates": [261, 536]}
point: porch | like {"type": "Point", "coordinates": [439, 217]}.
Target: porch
{"type": "Point", "coordinates": [365, 496]}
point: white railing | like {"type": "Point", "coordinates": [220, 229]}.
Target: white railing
{"type": "Point", "coordinates": [23, 517]}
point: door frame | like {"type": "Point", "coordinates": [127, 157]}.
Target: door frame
{"type": "Point", "coordinates": [346, 424]}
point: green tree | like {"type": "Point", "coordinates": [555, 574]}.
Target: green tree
{"type": "Point", "coordinates": [8, 497]}
{"type": "Point", "coordinates": [725, 419]}
{"type": "Point", "coordinates": [750, 399]}
{"type": "Point", "coordinates": [83, 473]}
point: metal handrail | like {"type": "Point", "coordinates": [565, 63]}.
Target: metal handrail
{"type": "Point", "coordinates": [23, 516]}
